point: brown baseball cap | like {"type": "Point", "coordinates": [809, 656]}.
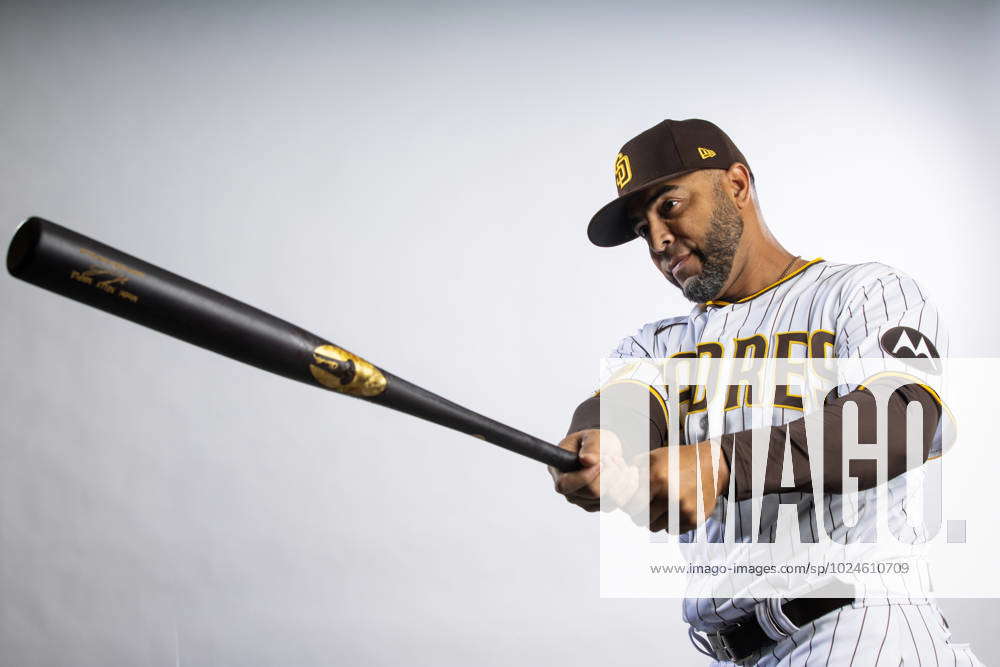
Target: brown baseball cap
{"type": "Point", "coordinates": [666, 150]}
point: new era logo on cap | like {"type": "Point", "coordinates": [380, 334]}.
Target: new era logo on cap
{"type": "Point", "coordinates": [705, 153]}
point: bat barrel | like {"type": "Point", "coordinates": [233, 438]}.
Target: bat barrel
{"type": "Point", "coordinates": [85, 270]}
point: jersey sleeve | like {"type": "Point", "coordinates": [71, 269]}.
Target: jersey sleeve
{"type": "Point", "coordinates": [888, 315]}
{"type": "Point", "coordinates": [879, 300]}
{"type": "Point", "coordinates": [625, 363]}
{"type": "Point", "coordinates": [627, 383]}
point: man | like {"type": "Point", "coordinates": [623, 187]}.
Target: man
{"type": "Point", "coordinates": [688, 193]}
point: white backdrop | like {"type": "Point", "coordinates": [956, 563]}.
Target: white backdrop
{"type": "Point", "coordinates": [414, 184]}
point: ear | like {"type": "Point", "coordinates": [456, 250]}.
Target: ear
{"type": "Point", "coordinates": [736, 180]}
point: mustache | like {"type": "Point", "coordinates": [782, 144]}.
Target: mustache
{"type": "Point", "coordinates": [667, 258]}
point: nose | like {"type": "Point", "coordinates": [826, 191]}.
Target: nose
{"type": "Point", "coordinates": [659, 235]}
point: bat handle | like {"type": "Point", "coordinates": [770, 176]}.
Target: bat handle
{"type": "Point", "coordinates": [561, 459]}
{"type": "Point", "coordinates": [407, 397]}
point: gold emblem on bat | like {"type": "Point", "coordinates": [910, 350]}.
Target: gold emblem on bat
{"type": "Point", "coordinates": [339, 370]}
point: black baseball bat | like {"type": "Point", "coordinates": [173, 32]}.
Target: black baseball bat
{"type": "Point", "coordinates": [85, 270]}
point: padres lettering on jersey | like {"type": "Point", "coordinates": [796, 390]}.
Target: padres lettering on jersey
{"type": "Point", "coordinates": [823, 310]}
{"type": "Point", "coordinates": [784, 345]}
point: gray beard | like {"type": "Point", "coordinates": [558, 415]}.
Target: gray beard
{"type": "Point", "coordinates": [725, 231]}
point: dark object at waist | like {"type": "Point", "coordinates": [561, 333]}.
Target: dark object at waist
{"type": "Point", "coordinates": [739, 642]}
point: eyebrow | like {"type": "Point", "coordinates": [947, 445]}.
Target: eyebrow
{"type": "Point", "coordinates": [656, 194]}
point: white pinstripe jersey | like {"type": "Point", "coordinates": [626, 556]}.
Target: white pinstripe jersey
{"type": "Point", "coordinates": [841, 309]}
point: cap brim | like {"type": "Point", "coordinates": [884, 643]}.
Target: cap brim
{"type": "Point", "coordinates": [611, 226]}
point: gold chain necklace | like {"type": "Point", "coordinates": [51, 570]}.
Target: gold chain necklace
{"type": "Point", "coordinates": [794, 259]}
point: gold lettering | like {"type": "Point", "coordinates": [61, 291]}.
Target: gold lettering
{"type": "Point", "coordinates": [76, 275]}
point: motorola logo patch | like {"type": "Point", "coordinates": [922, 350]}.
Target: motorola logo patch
{"type": "Point", "coordinates": [908, 343]}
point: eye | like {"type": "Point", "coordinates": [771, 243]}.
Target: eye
{"type": "Point", "coordinates": [667, 206]}
{"type": "Point", "coordinates": [641, 230]}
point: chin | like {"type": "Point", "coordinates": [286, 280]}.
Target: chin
{"type": "Point", "coordinates": [687, 281]}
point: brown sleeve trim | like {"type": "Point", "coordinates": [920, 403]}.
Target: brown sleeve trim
{"type": "Point", "coordinates": [586, 416]}
{"type": "Point", "coordinates": [624, 395]}
{"type": "Point", "coordinates": [737, 447]}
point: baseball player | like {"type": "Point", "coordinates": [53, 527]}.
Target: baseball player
{"type": "Point", "coordinates": [686, 190]}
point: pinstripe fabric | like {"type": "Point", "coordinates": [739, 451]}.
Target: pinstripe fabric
{"type": "Point", "coordinates": [857, 303]}
{"type": "Point", "coordinates": [882, 635]}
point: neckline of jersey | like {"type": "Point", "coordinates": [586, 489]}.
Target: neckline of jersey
{"type": "Point", "coordinates": [769, 287]}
